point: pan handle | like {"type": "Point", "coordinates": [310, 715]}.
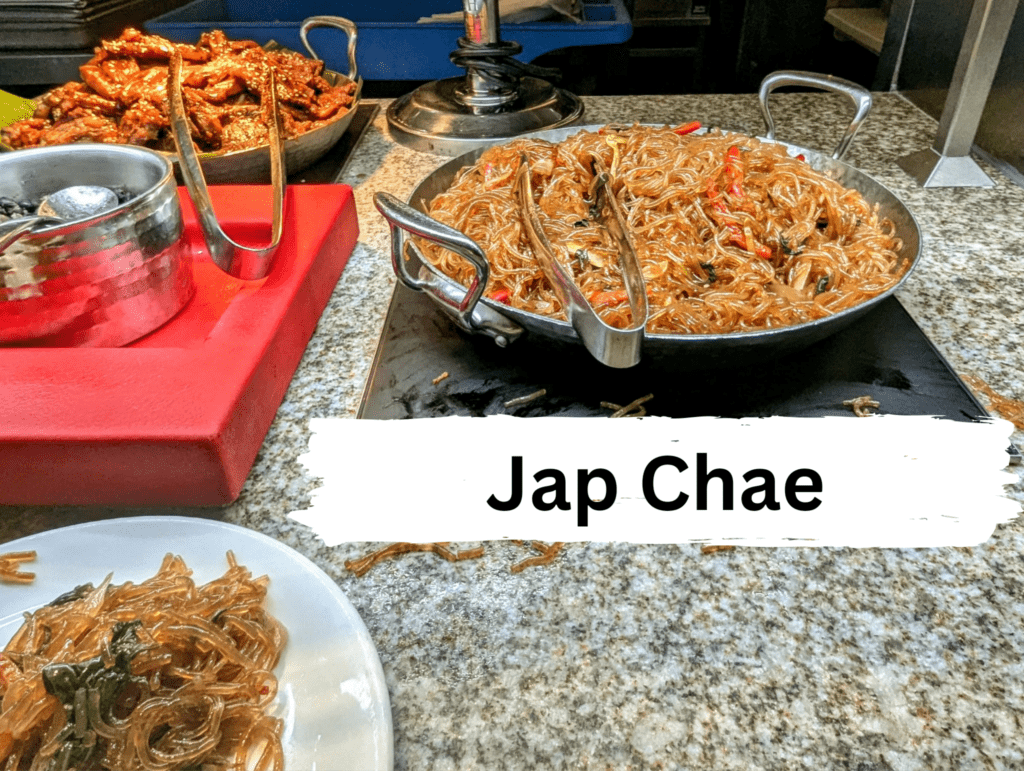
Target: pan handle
{"type": "Point", "coordinates": [337, 22]}
{"type": "Point", "coordinates": [464, 305]}
{"type": "Point", "coordinates": [859, 95]}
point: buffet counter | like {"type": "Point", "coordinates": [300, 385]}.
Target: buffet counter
{"type": "Point", "coordinates": [664, 657]}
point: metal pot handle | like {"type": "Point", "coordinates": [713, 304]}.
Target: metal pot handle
{"type": "Point", "coordinates": [240, 261]}
{"type": "Point", "coordinates": [337, 22]}
{"type": "Point", "coordinates": [464, 305]}
{"type": "Point", "coordinates": [860, 96]}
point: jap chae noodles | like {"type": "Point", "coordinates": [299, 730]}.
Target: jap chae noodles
{"type": "Point", "coordinates": [10, 567]}
{"type": "Point", "coordinates": [731, 232]}
{"type": "Point", "coordinates": [159, 675]}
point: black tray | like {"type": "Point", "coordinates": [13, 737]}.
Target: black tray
{"type": "Point", "coordinates": [884, 355]}
{"type": "Point", "coordinates": [29, 36]}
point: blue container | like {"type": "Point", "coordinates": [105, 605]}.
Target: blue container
{"type": "Point", "coordinates": [391, 45]}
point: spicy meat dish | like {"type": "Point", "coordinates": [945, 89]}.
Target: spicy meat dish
{"type": "Point", "coordinates": [159, 675]}
{"type": "Point", "coordinates": [731, 232]}
{"type": "Point", "coordinates": [123, 96]}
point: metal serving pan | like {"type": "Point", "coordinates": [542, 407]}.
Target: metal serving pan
{"type": "Point", "coordinates": [478, 314]}
{"type": "Point", "coordinates": [300, 152]}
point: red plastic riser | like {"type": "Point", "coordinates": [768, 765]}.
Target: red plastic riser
{"type": "Point", "coordinates": [177, 417]}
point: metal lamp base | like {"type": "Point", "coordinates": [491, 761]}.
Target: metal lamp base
{"type": "Point", "coordinates": [931, 169]}
{"type": "Point", "coordinates": [433, 119]}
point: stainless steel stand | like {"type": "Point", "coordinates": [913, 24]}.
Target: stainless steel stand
{"type": "Point", "coordinates": [498, 98]}
{"type": "Point", "coordinates": [948, 162]}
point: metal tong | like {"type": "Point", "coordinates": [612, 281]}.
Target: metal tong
{"type": "Point", "coordinates": [243, 262]}
{"type": "Point", "coordinates": [22, 226]}
{"type": "Point", "coordinates": [610, 345]}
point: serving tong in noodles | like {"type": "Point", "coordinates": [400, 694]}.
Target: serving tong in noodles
{"type": "Point", "coordinates": [243, 262]}
{"type": "Point", "coordinates": [611, 346]}
{"type": "Point", "coordinates": [616, 347]}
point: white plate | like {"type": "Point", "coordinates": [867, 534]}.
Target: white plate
{"type": "Point", "coordinates": [332, 696]}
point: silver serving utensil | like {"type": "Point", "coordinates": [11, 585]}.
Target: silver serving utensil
{"type": "Point", "coordinates": [462, 303]}
{"type": "Point", "coordinates": [240, 261]}
{"type": "Point", "coordinates": [78, 202]}
{"type": "Point", "coordinates": [615, 223]}
{"type": "Point", "coordinates": [65, 205]}
{"type": "Point", "coordinates": [610, 345]}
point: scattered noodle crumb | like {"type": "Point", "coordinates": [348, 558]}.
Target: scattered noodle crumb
{"type": "Point", "coordinates": [10, 565]}
{"type": "Point", "coordinates": [439, 378]}
{"type": "Point", "coordinates": [362, 565]}
{"type": "Point", "coordinates": [1011, 409]}
{"type": "Point", "coordinates": [632, 410]}
{"type": "Point", "coordinates": [860, 405]}
{"type": "Point", "coordinates": [547, 554]}
{"type": "Point", "coordinates": [521, 400]}
{"type": "Point", "coordinates": [716, 547]}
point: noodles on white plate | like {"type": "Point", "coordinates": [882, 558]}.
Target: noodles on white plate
{"type": "Point", "coordinates": [161, 675]}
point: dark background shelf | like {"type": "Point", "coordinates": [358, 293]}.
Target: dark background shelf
{"type": "Point", "coordinates": [678, 46]}
{"type": "Point", "coordinates": [722, 46]}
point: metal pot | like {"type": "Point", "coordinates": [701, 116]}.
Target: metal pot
{"type": "Point", "coordinates": [104, 280]}
{"type": "Point", "coordinates": [253, 165]}
{"type": "Point", "coordinates": [478, 314]}
{"type": "Point", "coordinates": [301, 152]}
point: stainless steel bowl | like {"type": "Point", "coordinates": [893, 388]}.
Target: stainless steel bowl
{"type": "Point", "coordinates": [104, 280]}
{"type": "Point", "coordinates": [301, 152]}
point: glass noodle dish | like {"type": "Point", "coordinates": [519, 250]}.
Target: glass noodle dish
{"type": "Point", "coordinates": [731, 232]}
{"type": "Point", "coordinates": [162, 675]}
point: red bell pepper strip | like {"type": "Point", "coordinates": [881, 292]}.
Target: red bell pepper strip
{"type": "Point", "coordinates": [736, 234]}
{"type": "Point", "coordinates": [761, 250]}
{"type": "Point", "coordinates": [613, 297]}
{"type": "Point", "coordinates": [738, 237]}
{"type": "Point", "coordinates": [499, 295]}
{"type": "Point", "coordinates": [715, 195]}
{"type": "Point", "coordinates": [734, 171]}
{"type": "Point", "coordinates": [687, 128]}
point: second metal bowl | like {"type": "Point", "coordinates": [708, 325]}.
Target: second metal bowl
{"type": "Point", "coordinates": [100, 281]}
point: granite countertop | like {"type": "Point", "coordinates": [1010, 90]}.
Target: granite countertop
{"type": "Point", "coordinates": [662, 657]}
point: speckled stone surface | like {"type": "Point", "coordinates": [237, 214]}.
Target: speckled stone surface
{"type": "Point", "coordinates": [619, 657]}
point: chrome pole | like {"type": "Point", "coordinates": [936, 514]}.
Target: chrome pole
{"type": "Point", "coordinates": [481, 91]}
{"type": "Point", "coordinates": [948, 162]}
{"type": "Point", "coordinates": [498, 97]}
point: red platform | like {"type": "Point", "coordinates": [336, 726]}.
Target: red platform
{"type": "Point", "coordinates": [177, 417]}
